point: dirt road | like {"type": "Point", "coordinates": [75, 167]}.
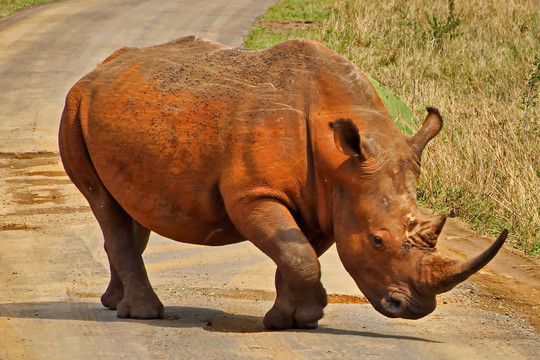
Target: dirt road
{"type": "Point", "coordinates": [53, 268]}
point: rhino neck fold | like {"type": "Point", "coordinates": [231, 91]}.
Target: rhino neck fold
{"type": "Point", "coordinates": [321, 147]}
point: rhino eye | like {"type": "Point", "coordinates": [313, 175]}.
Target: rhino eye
{"type": "Point", "coordinates": [378, 241]}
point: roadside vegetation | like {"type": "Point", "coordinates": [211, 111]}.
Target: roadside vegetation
{"type": "Point", "coordinates": [8, 7]}
{"type": "Point", "coordinates": [478, 62]}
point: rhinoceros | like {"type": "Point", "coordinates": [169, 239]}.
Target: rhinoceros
{"type": "Point", "coordinates": [289, 147]}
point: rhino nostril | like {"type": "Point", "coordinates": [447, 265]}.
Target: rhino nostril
{"type": "Point", "coordinates": [395, 304]}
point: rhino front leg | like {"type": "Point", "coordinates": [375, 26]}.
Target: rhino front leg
{"type": "Point", "coordinates": [291, 311]}
{"type": "Point", "coordinates": [301, 298]}
{"type": "Point", "coordinates": [320, 244]}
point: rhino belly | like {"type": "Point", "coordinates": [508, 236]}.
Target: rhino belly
{"type": "Point", "coordinates": [161, 164]}
{"type": "Point", "coordinates": [177, 203]}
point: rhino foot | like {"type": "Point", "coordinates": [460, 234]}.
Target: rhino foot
{"type": "Point", "coordinates": [275, 319]}
{"type": "Point", "coordinates": [140, 308]}
{"type": "Point", "coordinates": [305, 315]}
{"type": "Point", "coordinates": [112, 297]}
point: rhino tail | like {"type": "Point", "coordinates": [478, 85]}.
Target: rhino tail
{"type": "Point", "coordinates": [73, 150]}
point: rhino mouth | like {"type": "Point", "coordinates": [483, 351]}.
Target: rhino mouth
{"type": "Point", "coordinates": [399, 305]}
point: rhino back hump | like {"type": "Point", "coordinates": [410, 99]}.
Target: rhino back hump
{"type": "Point", "coordinates": [167, 126]}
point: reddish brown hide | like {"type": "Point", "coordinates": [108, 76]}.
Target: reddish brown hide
{"type": "Point", "coordinates": [210, 145]}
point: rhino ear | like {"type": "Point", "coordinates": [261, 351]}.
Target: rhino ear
{"type": "Point", "coordinates": [431, 127]}
{"type": "Point", "coordinates": [346, 137]}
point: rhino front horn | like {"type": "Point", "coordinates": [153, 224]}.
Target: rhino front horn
{"type": "Point", "coordinates": [440, 273]}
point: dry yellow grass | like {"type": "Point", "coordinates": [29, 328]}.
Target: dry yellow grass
{"type": "Point", "coordinates": [8, 7]}
{"type": "Point", "coordinates": [479, 70]}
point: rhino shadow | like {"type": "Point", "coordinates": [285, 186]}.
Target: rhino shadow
{"type": "Point", "coordinates": [175, 317]}
{"type": "Point", "coordinates": [219, 321]}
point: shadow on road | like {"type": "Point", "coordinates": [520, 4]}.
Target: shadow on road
{"type": "Point", "coordinates": [175, 316]}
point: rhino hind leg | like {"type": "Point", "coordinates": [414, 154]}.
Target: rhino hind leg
{"type": "Point", "coordinates": [301, 297]}
{"type": "Point", "coordinates": [115, 291]}
{"type": "Point", "coordinates": [125, 239]}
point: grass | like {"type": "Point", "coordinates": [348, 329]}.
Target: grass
{"type": "Point", "coordinates": [478, 62]}
{"type": "Point", "coordinates": [8, 7]}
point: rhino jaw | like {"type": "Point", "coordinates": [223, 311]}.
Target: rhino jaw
{"type": "Point", "coordinates": [402, 306]}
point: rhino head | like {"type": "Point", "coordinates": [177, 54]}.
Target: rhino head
{"type": "Point", "coordinates": [382, 239]}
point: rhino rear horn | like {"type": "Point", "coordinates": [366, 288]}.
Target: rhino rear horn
{"type": "Point", "coordinates": [431, 127]}
{"type": "Point", "coordinates": [427, 232]}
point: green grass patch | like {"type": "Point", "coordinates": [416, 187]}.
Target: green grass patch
{"type": "Point", "coordinates": [478, 62]}
{"type": "Point", "coordinates": [8, 7]}
{"type": "Point", "coordinates": [260, 37]}
{"type": "Point", "coordinates": [289, 19]}
{"type": "Point", "coordinates": [303, 10]}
